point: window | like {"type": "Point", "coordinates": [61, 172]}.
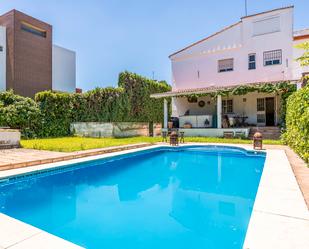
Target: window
{"type": "Point", "coordinates": [266, 26]}
{"type": "Point", "coordinates": [227, 106]}
{"type": "Point", "coordinates": [33, 30]}
{"type": "Point", "coordinates": [225, 65]}
{"type": "Point", "coordinates": [273, 57]}
{"type": "Point", "coordinates": [251, 62]}
{"type": "Point", "coordinates": [260, 105]}
{"type": "Point", "coordinates": [1, 48]}
{"type": "Point", "coordinates": [260, 118]}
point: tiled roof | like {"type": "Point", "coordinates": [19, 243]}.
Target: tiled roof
{"type": "Point", "coordinates": [301, 34]}
{"type": "Point", "coordinates": [211, 89]}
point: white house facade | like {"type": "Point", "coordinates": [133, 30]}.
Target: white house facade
{"type": "Point", "coordinates": [2, 58]}
{"type": "Point", "coordinates": [256, 51]}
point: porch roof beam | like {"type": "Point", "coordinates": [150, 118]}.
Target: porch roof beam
{"type": "Point", "coordinates": [185, 92]}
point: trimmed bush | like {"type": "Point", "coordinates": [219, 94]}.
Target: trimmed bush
{"type": "Point", "coordinates": [19, 113]}
{"type": "Point", "coordinates": [297, 122]}
{"type": "Point", "coordinates": [138, 90]}
{"type": "Point", "coordinates": [101, 105]}
{"type": "Point", "coordinates": [56, 111]}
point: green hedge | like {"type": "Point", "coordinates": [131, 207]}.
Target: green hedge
{"type": "Point", "coordinates": [51, 113]}
{"type": "Point", "coordinates": [297, 122]}
{"type": "Point", "coordinates": [19, 113]}
{"type": "Point", "coordinates": [138, 89]}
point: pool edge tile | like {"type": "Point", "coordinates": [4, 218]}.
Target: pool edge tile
{"type": "Point", "coordinates": [13, 231]}
{"type": "Point", "coordinates": [17, 234]}
{"type": "Point", "coordinates": [274, 223]}
{"type": "Point", "coordinates": [45, 240]}
{"type": "Point", "coordinates": [269, 231]}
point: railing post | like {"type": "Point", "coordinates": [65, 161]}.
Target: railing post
{"type": "Point", "coordinates": [165, 114]}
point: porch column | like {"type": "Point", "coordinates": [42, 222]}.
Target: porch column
{"type": "Point", "coordinates": [219, 110]}
{"type": "Point", "coordinates": [165, 114]}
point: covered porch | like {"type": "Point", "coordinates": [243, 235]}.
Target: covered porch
{"type": "Point", "coordinates": [215, 112]}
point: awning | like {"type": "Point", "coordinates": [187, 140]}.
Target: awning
{"type": "Point", "coordinates": [212, 89]}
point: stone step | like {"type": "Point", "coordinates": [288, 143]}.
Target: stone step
{"type": "Point", "coordinates": [267, 132]}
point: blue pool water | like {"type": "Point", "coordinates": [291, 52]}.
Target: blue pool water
{"type": "Point", "coordinates": [185, 198]}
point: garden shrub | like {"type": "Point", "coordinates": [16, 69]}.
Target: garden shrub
{"type": "Point", "coordinates": [138, 90]}
{"type": "Point", "coordinates": [101, 105]}
{"type": "Point", "coordinates": [56, 109]}
{"type": "Point", "coordinates": [19, 112]}
{"type": "Point", "coordinates": [297, 122]}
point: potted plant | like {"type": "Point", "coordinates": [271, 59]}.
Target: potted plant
{"type": "Point", "coordinates": [187, 125]}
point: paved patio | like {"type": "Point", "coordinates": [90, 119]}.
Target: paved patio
{"type": "Point", "coordinates": [19, 158]}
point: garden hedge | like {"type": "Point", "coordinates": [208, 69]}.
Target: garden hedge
{"type": "Point", "coordinates": [297, 122]}
{"type": "Point", "coordinates": [51, 113]}
{"type": "Point", "coordinates": [138, 90]}
{"type": "Point", "coordinates": [19, 113]}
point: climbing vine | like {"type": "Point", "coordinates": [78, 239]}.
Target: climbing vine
{"type": "Point", "coordinates": [278, 88]}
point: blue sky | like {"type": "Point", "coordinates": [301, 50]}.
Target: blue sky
{"type": "Point", "coordinates": [110, 36]}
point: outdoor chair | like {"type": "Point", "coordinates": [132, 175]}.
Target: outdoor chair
{"type": "Point", "coordinates": [174, 138]}
{"type": "Point", "coordinates": [182, 137]}
{"type": "Point", "coordinates": [164, 136]}
{"type": "Point", "coordinates": [228, 134]}
{"type": "Point", "coordinates": [239, 134]}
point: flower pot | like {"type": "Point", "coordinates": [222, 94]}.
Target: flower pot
{"type": "Point", "coordinates": [187, 126]}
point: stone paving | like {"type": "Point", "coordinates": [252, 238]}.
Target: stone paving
{"type": "Point", "coordinates": [19, 158]}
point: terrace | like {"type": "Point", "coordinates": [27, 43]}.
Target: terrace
{"type": "Point", "coordinates": [213, 111]}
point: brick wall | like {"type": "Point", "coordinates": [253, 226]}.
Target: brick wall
{"type": "Point", "coordinates": [29, 56]}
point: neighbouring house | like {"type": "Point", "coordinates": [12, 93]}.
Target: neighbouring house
{"type": "Point", "coordinates": [256, 52]}
{"type": "Point", "coordinates": [29, 62]}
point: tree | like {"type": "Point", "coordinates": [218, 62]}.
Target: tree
{"type": "Point", "coordinates": [304, 59]}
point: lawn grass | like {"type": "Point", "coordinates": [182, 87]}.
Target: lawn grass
{"type": "Point", "coordinates": [70, 144]}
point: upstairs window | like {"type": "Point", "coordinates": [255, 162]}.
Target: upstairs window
{"type": "Point", "coordinates": [273, 57]}
{"type": "Point", "coordinates": [225, 65]}
{"type": "Point", "coordinates": [251, 62]}
{"type": "Point", "coordinates": [1, 48]}
{"type": "Point", "coordinates": [266, 26]}
{"type": "Point", "coordinates": [33, 30]}
{"type": "Point", "coordinates": [227, 106]}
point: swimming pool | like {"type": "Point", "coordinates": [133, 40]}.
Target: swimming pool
{"type": "Point", "coordinates": [186, 197]}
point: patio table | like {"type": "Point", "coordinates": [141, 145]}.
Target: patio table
{"type": "Point", "coordinates": [242, 119]}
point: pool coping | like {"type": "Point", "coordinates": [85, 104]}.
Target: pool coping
{"type": "Point", "coordinates": [279, 218]}
{"type": "Point", "coordinates": [65, 156]}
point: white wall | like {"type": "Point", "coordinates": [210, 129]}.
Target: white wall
{"type": "Point", "coordinates": [3, 59]}
{"type": "Point", "coordinates": [237, 42]}
{"type": "Point", "coordinates": [183, 105]}
{"type": "Point", "coordinates": [64, 70]}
